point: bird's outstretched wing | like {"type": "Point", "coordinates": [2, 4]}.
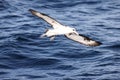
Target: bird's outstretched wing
{"type": "Point", "coordinates": [82, 39]}
{"type": "Point", "coordinates": [48, 19]}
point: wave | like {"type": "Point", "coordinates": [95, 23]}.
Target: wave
{"type": "Point", "coordinates": [18, 61]}
{"type": "Point", "coordinates": [25, 55]}
{"type": "Point", "coordinates": [74, 54]}
{"type": "Point", "coordinates": [32, 76]}
{"type": "Point", "coordinates": [4, 5]}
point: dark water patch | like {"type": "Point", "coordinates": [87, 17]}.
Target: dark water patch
{"type": "Point", "coordinates": [115, 47]}
{"type": "Point", "coordinates": [46, 61]}
{"type": "Point", "coordinates": [25, 26]}
{"type": "Point", "coordinates": [3, 73]}
{"type": "Point", "coordinates": [65, 4]}
{"type": "Point", "coordinates": [4, 28]}
{"type": "Point", "coordinates": [22, 38]}
{"type": "Point", "coordinates": [16, 59]}
{"type": "Point", "coordinates": [102, 9]}
{"type": "Point", "coordinates": [48, 1]}
{"type": "Point", "coordinates": [107, 79]}
{"type": "Point", "coordinates": [75, 54]}
{"type": "Point", "coordinates": [4, 38]}
{"type": "Point", "coordinates": [114, 7]}
{"type": "Point", "coordinates": [113, 28]}
{"type": "Point", "coordinates": [26, 39]}
{"type": "Point", "coordinates": [10, 79]}
{"type": "Point", "coordinates": [85, 78]}
{"type": "Point", "coordinates": [88, 74]}
{"type": "Point", "coordinates": [11, 16]}
{"type": "Point", "coordinates": [42, 63]}
{"type": "Point", "coordinates": [108, 60]}
{"type": "Point", "coordinates": [56, 74]}
{"type": "Point", "coordinates": [84, 12]}
{"type": "Point", "coordinates": [68, 79]}
{"type": "Point", "coordinates": [17, 56]}
{"type": "Point", "coordinates": [110, 72]}
{"type": "Point", "coordinates": [5, 66]}
{"type": "Point", "coordinates": [91, 2]}
{"type": "Point", "coordinates": [96, 74]}
{"type": "Point", "coordinates": [105, 64]}
{"type": "Point", "coordinates": [30, 41]}
{"type": "Point", "coordinates": [33, 76]}
{"type": "Point", "coordinates": [62, 4]}
{"type": "Point", "coordinates": [21, 43]}
{"type": "Point", "coordinates": [4, 5]}
{"type": "Point", "coordinates": [115, 18]}
{"type": "Point", "coordinates": [100, 24]}
{"type": "Point", "coordinates": [9, 48]}
{"type": "Point", "coordinates": [116, 58]}
{"type": "Point", "coordinates": [65, 67]}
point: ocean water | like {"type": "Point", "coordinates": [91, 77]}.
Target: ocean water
{"type": "Point", "coordinates": [26, 56]}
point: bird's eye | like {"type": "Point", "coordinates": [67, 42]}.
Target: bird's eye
{"type": "Point", "coordinates": [73, 29]}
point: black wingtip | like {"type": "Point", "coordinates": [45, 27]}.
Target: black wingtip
{"type": "Point", "coordinates": [31, 10]}
{"type": "Point", "coordinates": [97, 43]}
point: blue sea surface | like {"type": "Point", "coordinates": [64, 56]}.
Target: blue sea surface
{"type": "Point", "coordinates": [26, 56]}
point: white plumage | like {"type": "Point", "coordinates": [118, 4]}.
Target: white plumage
{"type": "Point", "coordinates": [59, 29]}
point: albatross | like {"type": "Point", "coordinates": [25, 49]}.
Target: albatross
{"type": "Point", "coordinates": [59, 29]}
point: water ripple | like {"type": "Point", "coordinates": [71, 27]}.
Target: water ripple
{"type": "Point", "coordinates": [56, 74]}
{"type": "Point", "coordinates": [4, 5]}
{"type": "Point", "coordinates": [32, 76]}
{"type": "Point", "coordinates": [78, 55]}
{"type": "Point", "coordinates": [23, 55]}
{"type": "Point", "coordinates": [65, 67]}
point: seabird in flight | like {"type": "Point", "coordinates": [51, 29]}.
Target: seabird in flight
{"type": "Point", "coordinates": [59, 29]}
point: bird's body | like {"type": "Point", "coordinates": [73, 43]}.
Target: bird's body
{"type": "Point", "coordinates": [59, 29]}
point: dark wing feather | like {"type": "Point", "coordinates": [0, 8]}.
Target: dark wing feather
{"type": "Point", "coordinates": [47, 18]}
{"type": "Point", "coordinates": [82, 39]}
